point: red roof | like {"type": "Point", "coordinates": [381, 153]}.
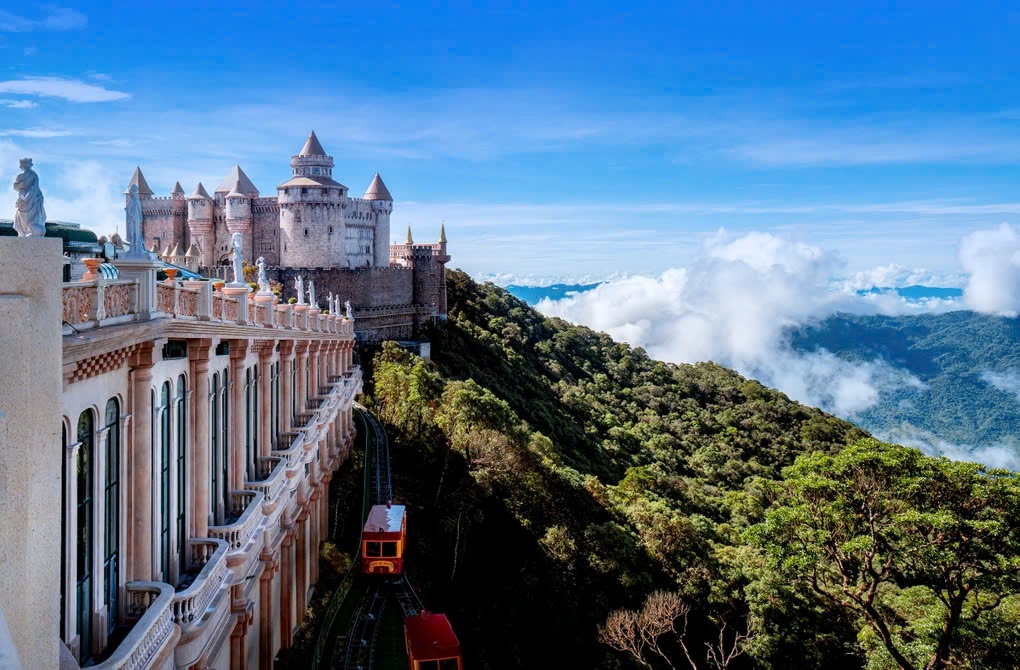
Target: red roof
{"type": "Point", "coordinates": [430, 637]}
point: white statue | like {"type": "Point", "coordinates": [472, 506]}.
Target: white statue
{"type": "Point", "coordinates": [30, 217]}
{"type": "Point", "coordinates": [133, 225]}
{"type": "Point", "coordinates": [263, 280]}
{"type": "Point", "coordinates": [235, 241]}
{"type": "Point", "coordinates": [347, 306]}
{"type": "Point", "coordinates": [299, 285]}
{"type": "Point", "coordinates": [311, 294]}
{"type": "Point", "coordinates": [335, 309]}
{"type": "Point", "coordinates": [329, 302]}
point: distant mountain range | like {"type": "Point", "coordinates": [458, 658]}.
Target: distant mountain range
{"type": "Point", "coordinates": [916, 293]}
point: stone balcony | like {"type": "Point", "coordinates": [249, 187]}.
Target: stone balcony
{"type": "Point", "coordinates": [246, 509]}
{"type": "Point", "coordinates": [153, 634]}
{"type": "Point", "coordinates": [209, 557]}
{"type": "Point", "coordinates": [271, 473]}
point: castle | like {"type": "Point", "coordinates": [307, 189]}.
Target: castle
{"type": "Point", "coordinates": [312, 228]}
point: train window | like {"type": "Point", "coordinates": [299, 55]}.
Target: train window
{"type": "Point", "coordinates": [372, 549]}
{"type": "Point", "coordinates": [448, 664]}
{"type": "Point", "coordinates": [389, 549]}
{"type": "Point", "coordinates": [429, 665]}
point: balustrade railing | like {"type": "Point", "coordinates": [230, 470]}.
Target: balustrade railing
{"type": "Point", "coordinates": [151, 603]}
{"type": "Point", "coordinates": [271, 472]}
{"type": "Point", "coordinates": [209, 556]}
{"type": "Point", "coordinates": [246, 508]}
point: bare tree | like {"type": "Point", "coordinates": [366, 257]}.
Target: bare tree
{"type": "Point", "coordinates": [639, 632]}
{"type": "Point", "coordinates": [718, 653]}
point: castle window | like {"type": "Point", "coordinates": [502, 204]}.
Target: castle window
{"type": "Point", "coordinates": [304, 191]}
{"type": "Point", "coordinates": [306, 232]}
{"type": "Point", "coordinates": [331, 230]}
{"type": "Point", "coordinates": [286, 191]}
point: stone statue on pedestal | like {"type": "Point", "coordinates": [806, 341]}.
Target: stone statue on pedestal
{"type": "Point", "coordinates": [311, 294]}
{"type": "Point", "coordinates": [329, 302]}
{"type": "Point", "coordinates": [29, 217]}
{"type": "Point", "coordinates": [133, 224]}
{"type": "Point", "coordinates": [263, 280]}
{"type": "Point", "coordinates": [235, 241]}
{"type": "Point", "coordinates": [299, 286]}
{"type": "Point", "coordinates": [347, 306]}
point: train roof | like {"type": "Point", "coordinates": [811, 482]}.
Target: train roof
{"type": "Point", "coordinates": [385, 518]}
{"type": "Point", "coordinates": [430, 637]}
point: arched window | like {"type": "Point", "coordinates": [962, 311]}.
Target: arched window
{"type": "Point", "coordinates": [256, 420]}
{"type": "Point", "coordinates": [163, 472]}
{"type": "Point", "coordinates": [182, 473]}
{"type": "Point", "coordinates": [85, 533]}
{"type": "Point", "coordinates": [111, 500]}
{"type": "Point", "coordinates": [63, 530]}
{"type": "Point", "coordinates": [214, 461]}
{"type": "Point", "coordinates": [274, 405]}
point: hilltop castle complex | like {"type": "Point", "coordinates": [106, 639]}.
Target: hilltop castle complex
{"type": "Point", "coordinates": [311, 227]}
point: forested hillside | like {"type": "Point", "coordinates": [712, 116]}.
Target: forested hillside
{"type": "Point", "coordinates": [952, 354]}
{"type": "Point", "coordinates": [575, 504]}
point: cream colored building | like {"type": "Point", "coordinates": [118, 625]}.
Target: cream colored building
{"type": "Point", "coordinates": [178, 524]}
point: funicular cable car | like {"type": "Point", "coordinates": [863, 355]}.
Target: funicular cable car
{"type": "Point", "coordinates": [383, 539]}
{"type": "Point", "coordinates": [431, 643]}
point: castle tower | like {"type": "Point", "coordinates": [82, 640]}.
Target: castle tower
{"type": "Point", "coordinates": [200, 223]}
{"type": "Point", "coordinates": [441, 257]}
{"type": "Point", "coordinates": [178, 192]}
{"type": "Point", "coordinates": [237, 191]}
{"type": "Point", "coordinates": [382, 205]}
{"type": "Point", "coordinates": [311, 211]}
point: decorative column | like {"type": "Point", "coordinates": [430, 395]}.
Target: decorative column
{"type": "Point", "coordinates": [265, 408]}
{"type": "Point", "coordinates": [286, 383]}
{"type": "Point", "coordinates": [238, 468]}
{"type": "Point", "coordinates": [301, 362]}
{"type": "Point", "coordinates": [301, 578]}
{"type": "Point", "coordinates": [271, 565]}
{"type": "Point", "coordinates": [140, 552]}
{"type": "Point", "coordinates": [198, 356]}
{"type": "Point", "coordinates": [313, 349]}
{"type": "Point", "coordinates": [287, 587]}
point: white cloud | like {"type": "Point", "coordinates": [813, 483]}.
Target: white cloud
{"type": "Point", "coordinates": [898, 276]}
{"type": "Point", "coordinates": [56, 18]}
{"type": "Point", "coordinates": [992, 258]}
{"type": "Point", "coordinates": [72, 90]}
{"type": "Point", "coordinates": [19, 104]}
{"type": "Point", "coordinates": [734, 305]}
{"type": "Point", "coordinates": [35, 133]}
{"type": "Point", "coordinates": [1008, 382]}
{"type": "Point", "coordinates": [1005, 456]}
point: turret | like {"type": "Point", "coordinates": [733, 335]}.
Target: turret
{"type": "Point", "coordinates": [138, 179]}
{"type": "Point", "coordinates": [200, 223]}
{"type": "Point", "coordinates": [382, 205]}
{"type": "Point", "coordinates": [236, 190]}
{"type": "Point", "coordinates": [178, 192]}
{"type": "Point", "coordinates": [311, 210]}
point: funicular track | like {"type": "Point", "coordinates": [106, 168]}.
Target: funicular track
{"type": "Point", "coordinates": [362, 627]}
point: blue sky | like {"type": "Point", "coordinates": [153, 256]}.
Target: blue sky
{"type": "Point", "coordinates": [557, 140]}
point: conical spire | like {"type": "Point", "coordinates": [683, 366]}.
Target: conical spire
{"type": "Point", "coordinates": [193, 251]}
{"type": "Point", "coordinates": [409, 240]}
{"type": "Point", "coordinates": [200, 193]}
{"type": "Point", "coordinates": [312, 147]}
{"type": "Point", "coordinates": [178, 189]}
{"type": "Point", "coordinates": [237, 181]}
{"type": "Point", "coordinates": [377, 190]}
{"type": "Point", "coordinates": [177, 251]}
{"type": "Point", "coordinates": [442, 233]}
{"type": "Point", "coordinates": [138, 179]}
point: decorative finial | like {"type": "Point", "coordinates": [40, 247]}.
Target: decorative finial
{"type": "Point", "coordinates": [442, 233]}
{"type": "Point", "coordinates": [409, 240]}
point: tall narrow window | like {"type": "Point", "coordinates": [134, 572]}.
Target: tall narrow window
{"type": "Point", "coordinates": [274, 405]}
{"type": "Point", "coordinates": [182, 474]}
{"type": "Point", "coordinates": [111, 500]}
{"type": "Point", "coordinates": [63, 529]}
{"type": "Point", "coordinates": [84, 543]}
{"type": "Point", "coordinates": [293, 391]}
{"type": "Point", "coordinates": [225, 440]}
{"type": "Point", "coordinates": [247, 424]}
{"type": "Point", "coordinates": [256, 420]}
{"type": "Point", "coordinates": [164, 481]}
{"type": "Point", "coordinates": [214, 461]}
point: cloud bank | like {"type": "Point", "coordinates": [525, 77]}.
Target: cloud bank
{"type": "Point", "coordinates": [736, 303]}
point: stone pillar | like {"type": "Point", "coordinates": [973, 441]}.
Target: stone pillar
{"type": "Point", "coordinates": [143, 270]}
{"type": "Point", "coordinates": [301, 361]}
{"type": "Point", "coordinates": [287, 595]}
{"type": "Point", "coordinates": [301, 578]}
{"type": "Point", "coordinates": [271, 567]}
{"type": "Point", "coordinates": [140, 456]}
{"type": "Point", "coordinates": [238, 468]}
{"type": "Point", "coordinates": [286, 383]}
{"type": "Point", "coordinates": [265, 408]}
{"type": "Point", "coordinates": [313, 350]}
{"type": "Point", "coordinates": [198, 356]}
